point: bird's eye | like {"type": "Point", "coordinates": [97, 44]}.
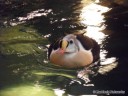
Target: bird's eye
{"type": "Point", "coordinates": [71, 41]}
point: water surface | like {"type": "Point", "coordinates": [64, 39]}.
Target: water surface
{"type": "Point", "coordinates": [24, 67]}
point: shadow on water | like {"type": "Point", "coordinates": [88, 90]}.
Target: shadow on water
{"type": "Point", "coordinates": [24, 67]}
{"type": "Point", "coordinates": [116, 44]}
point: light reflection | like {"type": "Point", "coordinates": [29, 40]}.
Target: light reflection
{"type": "Point", "coordinates": [94, 33]}
{"type": "Point", "coordinates": [45, 61]}
{"type": "Point", "coordinates": [92, 14]}
{"type": "Point", "coordinates": [46, 36]}
{"type": "Point", "coordinates": [59, 92]}
{"type": "Point", "coordinates": [92, 17]}
{"type": "Point", "coordinates": [97, 1]}
{"type": "Point", "coordinates": [104, 60]}
{"type": "Point", "coordinates": [31, 15]}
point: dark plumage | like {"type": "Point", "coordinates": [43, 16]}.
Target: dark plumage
{"type": "Point", "coordinates": [89, 43]}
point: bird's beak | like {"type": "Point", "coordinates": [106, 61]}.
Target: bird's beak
{"type": "Point", "coordinates": [64, 44]}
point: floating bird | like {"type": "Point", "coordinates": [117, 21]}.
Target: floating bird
{"type": "Point", "coordinates": [74, 51]}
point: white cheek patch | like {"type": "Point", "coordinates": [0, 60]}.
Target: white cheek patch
{"type": "Point", "coordinates": [71, 48]}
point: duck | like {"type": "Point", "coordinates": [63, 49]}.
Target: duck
{"type": "Point", "coordinates": [74, 51]}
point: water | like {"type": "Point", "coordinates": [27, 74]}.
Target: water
{"type": "Point", "coordinates": [24, 67]}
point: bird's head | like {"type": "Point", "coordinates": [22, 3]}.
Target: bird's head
{"type": "Point", "coordinates": [68, 44]}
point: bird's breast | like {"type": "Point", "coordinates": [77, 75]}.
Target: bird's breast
{"type": "Point", "coordinates": [72, 60]}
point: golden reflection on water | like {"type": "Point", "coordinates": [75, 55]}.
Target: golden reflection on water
{"type": "Point", "coordinates": [91, 16]}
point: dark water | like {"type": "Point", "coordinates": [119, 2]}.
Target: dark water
{"type": "Point", "coordinates": [24, 67]}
